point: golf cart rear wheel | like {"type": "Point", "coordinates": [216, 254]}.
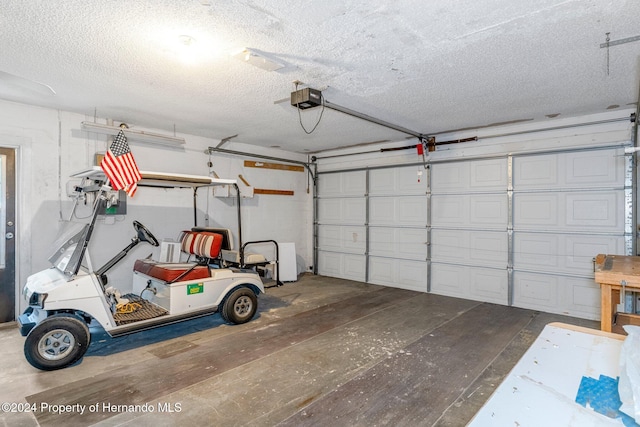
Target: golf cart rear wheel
{"type": "Point", "coordinates": [240, 306]}
{"type": "Point", "coordinates": [57, 342]}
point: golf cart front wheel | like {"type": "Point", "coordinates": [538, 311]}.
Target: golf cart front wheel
{"type": "Point", "coordinates": [57, 342]}
{"type": "Point", "coordinates": [240, 306]}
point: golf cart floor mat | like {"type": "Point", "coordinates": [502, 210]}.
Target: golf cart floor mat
{"type": "Point", "coordinates": [138, 309]}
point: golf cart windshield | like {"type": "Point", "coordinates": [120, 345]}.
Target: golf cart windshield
{"type": "Point", "coordinates": [70, 245]}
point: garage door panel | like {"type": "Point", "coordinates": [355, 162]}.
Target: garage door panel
{"type": "Point", "coordinates": [330, 237]}
{"type": "Point", "coordinates": [580, 211]}
{"type": "Point", "coordinates": [330, 185]}
{"type": "Point", "coordinates": [535, 171]}
{"type": "Point", "coordinates": [355, 267]}
{"type": "Point", "coordinates": [412, 275]}
{"type": "Point", "coordinates": [584, 298]}
{"type": "Point", "coordinates": [449, 210]}
{"type": "Point", "coordinates": [341, 211]}
{"type": "Point", "coordinates": [343, 184]}
{"type": "Point", "coordinates": [534, 251]}
{"type": "Point", "coordinates": [398, 211]}
{"type": "Point", "coordinates": [382, 241]}
{"type": "Point", "coordinates": [476, 210]}
{"type": "Point", "coordinates": [584, 169]}
{"type": "Point", "coordinates": [481, 248]}
{"type": "Point", "coordinates": [329, 210]}
{"type": "Point", "coordinates": [381, 271]}
{"type": "Point", "coordinates": [382, 182]}
{"type": "Point", "coordinates": [345, 266]}
{"type": "Point", "coordinates": [535, 291]}
{"type": "Point", "coordinates": [535, 210]}
{"type": "Point", "coordinates": [584, 248]}
{"type": "Point", "coordinates": [572, 296]}
{"type": "Point", "coordinates": [449, 177]}
{"type": "Point", "coordinates": [489, 210]}
{"type": "Point", "coordinates": [402, 243]}
{"type": "Point", "coordinates": [412, 244]}
{"type": "Point", "coordinates": [469, 176]}
{"type": "Point", "coordinates": [411, 211]}
{"type": "Point", "coordinates": [354, 211]}
{"type": "Point", "coordinates": [488, 175]}
{"type": "Point", "coordinates": [449, 280]}
{"type": "Point", "coordinates": [595, 209]}
{"type": "Point", "coordinates": [489, 285]}
{"type": "Point", "coordinates": [354, 239]}
{"type": "Point", "coordinates": [449, 245]}
{"type": "Point", "coordinates": [409, 182]}
{"type": "Point", "coordinates": [396, 181]}
{"type": "Point", "coordinates": [594, 168]}
{"type": "Point", "coordinates": [398, 273]}
{"type": "Point", "coordinates": [562, 253]}
{"type": "Point", "coordinates": [330, 264]}
{"type": "Point", "coordinates": [488, 248]}
{"type": "Point", "coordinates": [381, 211]}
{"type": "Point", "coordinates": [342, 238]}
{"type": "Point", "coordinates": [475, 283]}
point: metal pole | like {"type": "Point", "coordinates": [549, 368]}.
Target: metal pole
{"type": "Point", "coordinates": [259, 156]}
{"type": "Point", "coordinates": [368, 118]}
{"type": "Point", "coordinates": [239, 216]}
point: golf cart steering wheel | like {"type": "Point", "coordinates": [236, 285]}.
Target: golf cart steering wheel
{"type": "Point", "coordinates": [144, 234]}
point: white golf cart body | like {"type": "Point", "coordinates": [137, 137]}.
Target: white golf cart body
{"type": "Point", "coordinates": [64, 299]}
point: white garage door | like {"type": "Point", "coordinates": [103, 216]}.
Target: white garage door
{"type": "Point", "coordinates": [518, 230]}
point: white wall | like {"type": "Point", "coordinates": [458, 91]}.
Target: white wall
{"type": "Point", "coordinates": [51, 147]}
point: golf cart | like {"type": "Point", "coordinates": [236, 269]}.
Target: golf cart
{"type": "Point", "coordinates": [64, 299]}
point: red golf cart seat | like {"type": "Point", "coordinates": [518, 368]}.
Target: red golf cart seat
{"type": "Point", "coordinates": [203, 245]}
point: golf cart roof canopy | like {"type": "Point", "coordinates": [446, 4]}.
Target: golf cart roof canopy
{"type": "Point", "coordinates": [160, 179]}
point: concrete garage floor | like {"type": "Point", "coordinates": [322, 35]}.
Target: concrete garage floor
{"type": "Point", "coordinates": [320, 352]}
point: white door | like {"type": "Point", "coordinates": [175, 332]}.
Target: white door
{"type": "Point", "coordinates": [7, 231]}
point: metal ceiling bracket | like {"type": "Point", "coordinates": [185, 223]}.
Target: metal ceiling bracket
{"type": "Point", "coordinates": [617, 42]}
{"type": "Point", "coordinates": [225, 140]}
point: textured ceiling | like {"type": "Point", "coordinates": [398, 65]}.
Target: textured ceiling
{"type": "Point", "coordinates": [429, 66]}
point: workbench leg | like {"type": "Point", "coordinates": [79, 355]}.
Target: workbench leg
{"type": "Point", "coordinates": [608, 306]}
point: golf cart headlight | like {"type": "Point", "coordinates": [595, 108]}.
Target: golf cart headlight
{"type": "Point", "coordinates": [37, 299]}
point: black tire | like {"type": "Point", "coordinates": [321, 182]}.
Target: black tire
{"type": "Point", "coordinates": [240, 306]}
{"type": "Point", "coordinates": [57, 342]}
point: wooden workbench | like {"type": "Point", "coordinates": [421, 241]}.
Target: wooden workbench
{"type": "Point", "coordinates": [616, 273]}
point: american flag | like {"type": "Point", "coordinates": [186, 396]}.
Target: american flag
{"type": "Point", "coordinates": [120, 166]}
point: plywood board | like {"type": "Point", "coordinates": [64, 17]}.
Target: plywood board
{"type": "Point", "coordinates": [543, 387]}
{"type": "Point", "coordinates": [273, 192]}
{"type": "Point", "coordinates": [277, 166]}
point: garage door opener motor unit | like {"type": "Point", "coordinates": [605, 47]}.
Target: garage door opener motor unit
{"type": "Point", "coordinates": [306, 98]}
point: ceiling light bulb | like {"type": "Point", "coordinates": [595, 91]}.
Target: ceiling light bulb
{"type": "Point", "coordinates": [186, 40]}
